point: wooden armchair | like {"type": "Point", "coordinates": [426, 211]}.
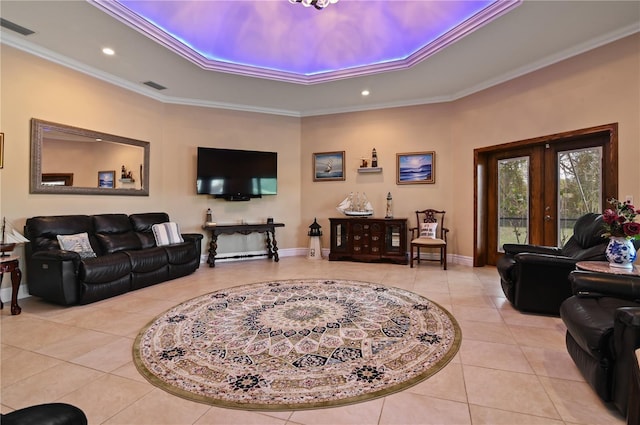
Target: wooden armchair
{"type": "Point", "coordinates": [429, 233]}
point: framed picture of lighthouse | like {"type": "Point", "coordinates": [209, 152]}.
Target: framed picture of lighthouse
{"type": "Point", "coordinates": [328, 166]}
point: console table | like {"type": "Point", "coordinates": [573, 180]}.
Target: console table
{"type": "Point", "coordinates": [369, 239]}
{"type": "Point", "coordinates": [269, 229]}
{"type": "Point", "coordinates": [10, 264]}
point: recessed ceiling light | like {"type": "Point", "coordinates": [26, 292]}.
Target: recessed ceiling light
{"type": "Point", "coordinates": [108, 51]}
{"type": "Point", "coordinates": [365, 92]}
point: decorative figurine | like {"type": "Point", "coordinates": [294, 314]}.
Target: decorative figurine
{"type": "Point", "coordinates": [389, 213]}
{"type": "Point", "coordinates": [374, 158]}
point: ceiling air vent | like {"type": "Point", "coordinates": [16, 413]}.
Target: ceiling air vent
{"type": "Point", "coordinates": [154, 85]}
{"type": "Point", "coordinates": [15, 27]}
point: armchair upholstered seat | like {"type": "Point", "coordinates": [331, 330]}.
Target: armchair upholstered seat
{"type": "Point", "coordinates": [429, 233]}
{"type": "Point", "coordinates": [535, 278]}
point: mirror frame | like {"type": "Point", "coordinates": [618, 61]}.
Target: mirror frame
{"type": "Point", "coordinates": [36, 186]}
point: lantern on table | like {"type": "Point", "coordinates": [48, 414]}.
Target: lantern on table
{"type": "Point", "coordinates": [315, 250]}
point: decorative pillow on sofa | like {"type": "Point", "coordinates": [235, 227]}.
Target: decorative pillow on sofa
{"type": "Point", "coordinates": [167, 233]}
{"type": "Point", "coordinates": [428, 230]}
{"type": "Point", "coordinates": [77, 243]}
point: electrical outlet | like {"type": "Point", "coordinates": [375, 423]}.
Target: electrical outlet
{"type": "Point", "coordinates": [629, 199]}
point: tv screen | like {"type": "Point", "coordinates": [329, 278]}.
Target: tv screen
{"type": "Point", "coordinates": [236, 174]}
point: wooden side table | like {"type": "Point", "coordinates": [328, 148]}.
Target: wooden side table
{"type": "Point", "coordinates": [11, 264]}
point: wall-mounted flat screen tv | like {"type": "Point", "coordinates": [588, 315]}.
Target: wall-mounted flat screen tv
{"type": "Point", "coordinates": [236, 175]}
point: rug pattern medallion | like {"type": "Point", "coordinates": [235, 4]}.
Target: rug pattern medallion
{"type": "Point", "coordinates": [296, 344]}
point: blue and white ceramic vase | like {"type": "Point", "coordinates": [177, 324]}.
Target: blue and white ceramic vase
{"type": "Point", "coordinates": [620, 252]}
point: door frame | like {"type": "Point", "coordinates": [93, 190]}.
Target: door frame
{"type": "Point", "coordinates": [482, 178]}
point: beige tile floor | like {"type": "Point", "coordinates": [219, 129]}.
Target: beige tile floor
{"type": "Point", "coordinates": [512, 368]}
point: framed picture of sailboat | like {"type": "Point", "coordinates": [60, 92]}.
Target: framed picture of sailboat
{"type": "Point", "coordinates": [328, 166]}
{"type": "Point", "coordinates": [416, 167]}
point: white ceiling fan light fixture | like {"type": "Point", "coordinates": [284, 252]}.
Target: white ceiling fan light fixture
{"type": "Point", "coordinates": [318, 4]}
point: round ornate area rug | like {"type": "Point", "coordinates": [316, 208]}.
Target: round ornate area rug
{"type": "Point", "coordinates": [296, 344]}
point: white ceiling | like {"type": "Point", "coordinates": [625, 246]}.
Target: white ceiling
{"type": "Point", "coordinates": [531, 36]}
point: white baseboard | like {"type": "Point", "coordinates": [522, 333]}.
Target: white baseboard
{"type": "Point", "coordinates": [5, 293]}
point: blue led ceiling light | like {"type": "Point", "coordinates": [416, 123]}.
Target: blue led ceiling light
{"type": "Point", "coordinates": [283, 41]}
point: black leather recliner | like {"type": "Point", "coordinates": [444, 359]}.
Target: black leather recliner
{"type": "Point", "coordinates": [603, 331]}
{"type": "Point", "coordinates": [534, 278]}
{"type": "Point", "coordinates": [46, 414]}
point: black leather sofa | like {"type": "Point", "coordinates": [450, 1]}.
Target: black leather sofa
{"type": "Point", "coordinates": [603, 332]}
{"type": "Point", "coordinates": [535, 278]}
{"type": "Point", "coordinates": [127, 257]}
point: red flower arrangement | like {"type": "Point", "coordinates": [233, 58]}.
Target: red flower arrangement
{"type": "Point", "coordinates": [620, 221]}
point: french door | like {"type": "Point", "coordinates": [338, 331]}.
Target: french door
{"type": "Point", "coordinates": [532, 191]}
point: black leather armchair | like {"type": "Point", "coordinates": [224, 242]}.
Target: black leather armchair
{"type": "Point", "coordinates": [46, 414]}
{"type": "Point", "coordinates": [534, 278]}
{"type": "Point", "coordinates": [603, 331]}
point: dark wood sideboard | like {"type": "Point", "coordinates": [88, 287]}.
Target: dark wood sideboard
{"type": "Point", "coordinates": [369, 239]}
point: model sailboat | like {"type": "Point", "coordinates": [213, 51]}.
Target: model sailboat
{"type": "Point", "coordinates": [10, 237]}
{"type": "Point", "coordinates": [356, 205]}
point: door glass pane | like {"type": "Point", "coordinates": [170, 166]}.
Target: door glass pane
{"type": "Point", "coordinates": [513, 201]}
{"type": "Point", "coordinates": [579, 187]}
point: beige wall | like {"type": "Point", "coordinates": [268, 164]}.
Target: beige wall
{"type": "Point", "coordinates": [599, 87]}
{"type": "Point", "coordinates": [34, 88]}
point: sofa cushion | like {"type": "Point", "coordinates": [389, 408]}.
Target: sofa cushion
{"type": "Point", "coordinates": [119, 242]}
{"type": "Point", "coordinates": [104, 269]}
{"type": "Point", "coordinates": [586, 243]}
{"type": "Point", "coordinates": [143, 222]}
{"type": "Point", "coordinates": [147, 260]}
{"type": "Point", "coordinates": [115, 233]}
{"type": "Point", "coordinates": [588, 230]}
{"type": "Point", "coordinates": [77, 243]}
{"type": "Point", "coordinates": [43, 231]}
{"type": "Point", "coordinates": [112, 223]}
{"type": "Point", "coordinates": [181, 253]}
{"type": "Point", "coordinates": [167, 233]}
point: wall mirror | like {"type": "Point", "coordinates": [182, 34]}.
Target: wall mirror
{"type": "Point", "coordinates": [71, 160]}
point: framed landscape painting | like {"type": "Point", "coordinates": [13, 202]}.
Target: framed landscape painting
{"type": "Point", "coordinates": [328, 166]}
{"type": "Point", "coordinates": [416, 167]}
{"type": "Point", "coordinates": [106, 179]}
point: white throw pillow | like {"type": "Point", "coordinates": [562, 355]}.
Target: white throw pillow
{"type": "Point", "coordinates": [78, 243]}
{"type": "Point", "coordinates": [167, 233]}
{"type": "Point", "coordinates": [428, 230]}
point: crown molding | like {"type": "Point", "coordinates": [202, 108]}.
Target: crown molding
{"type": "Point", "coordinates": [31, 48]}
